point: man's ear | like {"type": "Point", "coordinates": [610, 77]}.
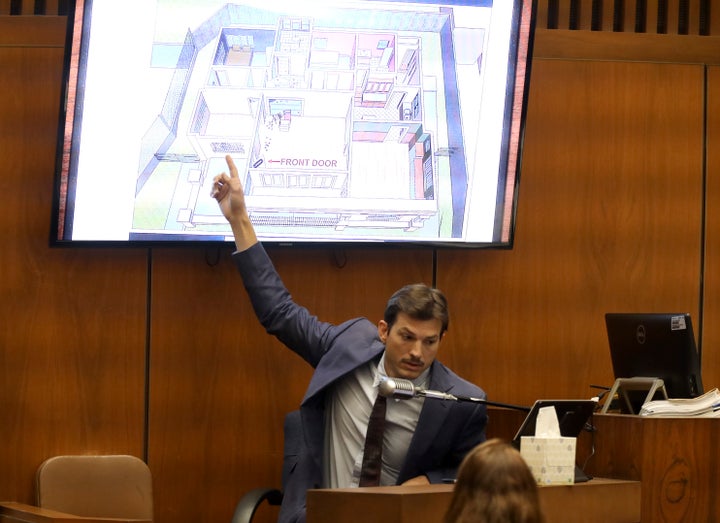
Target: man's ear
{"type": "Point", "coordinates": [383, 330]}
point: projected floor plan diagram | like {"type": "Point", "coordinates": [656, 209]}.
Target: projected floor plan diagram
{"type": "Point", "coordinates": [343, 123]}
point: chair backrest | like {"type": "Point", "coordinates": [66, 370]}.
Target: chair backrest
{"type": "Point", "coordinates": [96, 486]}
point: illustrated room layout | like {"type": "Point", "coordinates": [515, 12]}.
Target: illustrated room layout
{"type": "Point", "coordinates": [344, 122]}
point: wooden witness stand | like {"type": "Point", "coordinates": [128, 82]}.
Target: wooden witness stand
{"type": "Point", "coordinates": [22, 513]}
{"type": "Point", "coordinates": [672, 462]}
{"type": "Point", "coordinates": [675, 459]}
{"type": "Point", "coordinates": [587, 502]}
{"type": "Point", "coordinates": [666, 469]}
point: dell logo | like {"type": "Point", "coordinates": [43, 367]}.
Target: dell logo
{"type": "Point", "coordinates": [640, 334]}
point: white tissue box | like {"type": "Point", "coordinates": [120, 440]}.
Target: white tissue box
{"type": "Point", "coordinates": [551, 460]}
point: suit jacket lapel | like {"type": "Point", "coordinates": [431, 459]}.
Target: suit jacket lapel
{"type": "Point", "coordinates": [330, 369]}
{"type": "Point", "coordinates": [431, 421]}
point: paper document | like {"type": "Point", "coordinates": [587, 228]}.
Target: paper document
{"type": "Point", "coordinates": [707, 405]}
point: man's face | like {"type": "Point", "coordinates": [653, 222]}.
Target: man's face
{"type": "Point", "coordinates": [410, 346]}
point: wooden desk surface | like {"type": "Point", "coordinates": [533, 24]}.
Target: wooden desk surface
{"type": "Point", "coordinates": [599, 500]}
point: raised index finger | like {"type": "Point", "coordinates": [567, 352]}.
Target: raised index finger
{"type": "Point", "coordinates": [231, 166]}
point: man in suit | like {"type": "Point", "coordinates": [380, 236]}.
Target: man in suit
{"type": "Point", "coordinates": [424, 440]}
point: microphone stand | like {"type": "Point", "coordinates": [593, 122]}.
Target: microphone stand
{"type": "Point", "coordinates": [470, 399]}
{"type": "Point", "coordinates": [404, 389]}
{"type": "Point", "coordinates": [494, 403]}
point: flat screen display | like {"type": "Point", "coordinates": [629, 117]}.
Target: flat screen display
{"type": "Point", "coordinates": [655, 345]}
{"type": "Point", "coordinates": [350, 121]}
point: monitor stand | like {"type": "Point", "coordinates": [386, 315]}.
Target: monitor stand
{"type": "Point", "coordinates": [624, 386]}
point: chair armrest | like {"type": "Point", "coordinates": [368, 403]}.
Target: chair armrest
{"type": "Point", "coordinates": [249, 503]}
{"type": "Point", "coordinates": [11, 511]}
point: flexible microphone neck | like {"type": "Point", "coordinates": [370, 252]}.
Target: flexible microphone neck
{"type": "Point", "coordinates": [405, 389]}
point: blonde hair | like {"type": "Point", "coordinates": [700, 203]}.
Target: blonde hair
{"type": "Point", "coordinates": [494, 485]}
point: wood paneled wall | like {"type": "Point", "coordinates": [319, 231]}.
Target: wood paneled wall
{"type": "Point", "coordinates": [609, 219]}
{"type": "Point", "coordinates": [72, 322]}
{"type": "Point", "coordinates": [711, 260]}
{"type": "Point", "coordinates": [34, 7]}
{"type": "Point", "coordinates": [675, 17]}
{"type": "Point", "coordinates": [156, 353]}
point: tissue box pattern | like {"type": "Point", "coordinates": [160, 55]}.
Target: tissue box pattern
{"type": "Point", "coordinates": [551, 460]}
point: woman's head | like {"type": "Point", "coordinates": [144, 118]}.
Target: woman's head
{"type": "Point", "coordinates": [494, 485]}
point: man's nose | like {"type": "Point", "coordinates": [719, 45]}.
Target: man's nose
{"type": "Point", "coordinates": [416, 349]}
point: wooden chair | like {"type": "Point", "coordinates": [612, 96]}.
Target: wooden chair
{"type": "Point", "coordinates": [115, 486]}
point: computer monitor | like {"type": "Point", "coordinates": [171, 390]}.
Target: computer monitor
{"type": "Point", "coordinates": [656, 345]}
{"type": "Point", "coordinates": [572, 416]}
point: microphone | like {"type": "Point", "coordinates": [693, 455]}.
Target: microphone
{"type": "Point", "coordinates": [396, 388]}
{"type": "Point", "coordinates": [406, 389]}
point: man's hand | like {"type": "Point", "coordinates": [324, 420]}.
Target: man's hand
{"type": "Point", "coordinates": [418, 480]}
{"type": "Point", "coordinates": [228, 191]}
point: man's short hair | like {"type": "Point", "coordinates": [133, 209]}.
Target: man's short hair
{"type": "Point", "coordinates": [420, 302]}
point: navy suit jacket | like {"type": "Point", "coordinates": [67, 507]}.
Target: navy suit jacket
{"type": "Point", "coordinates": [445, 432]}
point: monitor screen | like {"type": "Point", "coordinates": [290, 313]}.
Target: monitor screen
{"type": "Point", "coordinates": [656, 345]}
{"type": "Point", "coordinates": [350, 121]}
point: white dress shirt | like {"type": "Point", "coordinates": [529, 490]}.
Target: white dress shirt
{"type": "Point", "coordinates": [347, 413]}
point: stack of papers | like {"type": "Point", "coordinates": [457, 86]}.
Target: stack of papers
{"type": "Point", "coordinates": [707, 405]}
